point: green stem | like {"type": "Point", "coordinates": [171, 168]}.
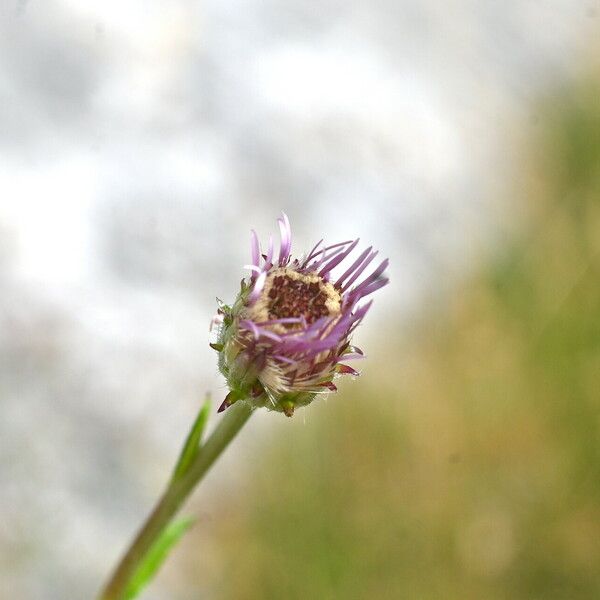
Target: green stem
{"type": "Point", "coordinates": [173, 498]}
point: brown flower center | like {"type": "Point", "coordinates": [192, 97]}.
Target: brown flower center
{"type": "Point", "coordinates": [294, 298]}
{"type": "Point", "coordinates": [288, 293]}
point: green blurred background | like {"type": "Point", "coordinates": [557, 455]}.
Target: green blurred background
{"type": "Point", "coordinates": [465, 463]}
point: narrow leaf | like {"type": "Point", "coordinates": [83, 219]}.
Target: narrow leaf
{"type": "Point", "coordinates": [156, 556]}
{"type": "Point", "coordinates": [192, 443]}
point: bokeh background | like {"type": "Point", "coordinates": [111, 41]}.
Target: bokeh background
{"type": "Point", "coordinates": [140, 141]}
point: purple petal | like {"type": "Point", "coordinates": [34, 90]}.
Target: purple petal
{"type": "Point", "coordinates": [356, 292]}
{"type": "Point", "coordinates": [288, 227]}
{"type": "Point", "coordinates": [337, 247]}
{"type": "Point", "coordinates": [338, 259]}
{"type": "Point", "coordinates": [250, 325]}
{"type": "Point", "coordinates": [359, 316]}
{"type": "Point", "coordinates": [311, 254]}
{"type": "Point", "coordinates": [254, 269]}
{"type": "Point", "coordinates": [269, 334]}
{"type": "Point", "coordinates": [254, 247]}
{"type": "Point", "coordinates": [317, 263]}
{"type": "Point", "coordinates": [374, 286]}
{"type": "Point", "coordinates": [359, 270]}
{"type": "Point", "coordinates": [354, 265]}
{"type": "Point", "coordinates": [327, 248]}
{"type": "Point", "coordinates": [259, 284]}
{"type": "Point", "coordinates": [281, 321]}
{"type": "Point", "coordinates": [259, 331]}
{"type": "Point", "coordinates": [269, 257]}
{"type": "Point", "coordinates": [286, 238]}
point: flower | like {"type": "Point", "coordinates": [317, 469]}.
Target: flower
{"type": "Point", "coordinates": [283, 340]}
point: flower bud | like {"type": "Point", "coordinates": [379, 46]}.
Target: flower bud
{"type": "Point", "coordinates": [283, 340]}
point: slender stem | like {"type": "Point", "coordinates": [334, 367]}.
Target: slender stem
{"type": "Point", "coordinates": [173, 498]}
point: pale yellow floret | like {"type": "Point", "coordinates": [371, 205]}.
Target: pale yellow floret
{"type": "Point", "coordinates": [273, 378]}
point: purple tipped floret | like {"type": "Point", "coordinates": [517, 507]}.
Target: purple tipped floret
{"type": "Point", "coordinates": [255, 249]}
{"type": "Point", "coordinates": [286, 239]}
{"type": "Point", "coordinates": [259, 284]}
{"type": "Point", "coordinates": [334, 262]}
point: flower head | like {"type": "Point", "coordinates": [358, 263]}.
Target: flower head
{"type": "Point", "coordinates": [287, 335]}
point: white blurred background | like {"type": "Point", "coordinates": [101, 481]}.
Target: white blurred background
{"type": "Point", "coordinates": [139, 143]}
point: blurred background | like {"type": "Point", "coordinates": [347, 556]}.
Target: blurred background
{"type": "Point", "coordinates": [139, 143]}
